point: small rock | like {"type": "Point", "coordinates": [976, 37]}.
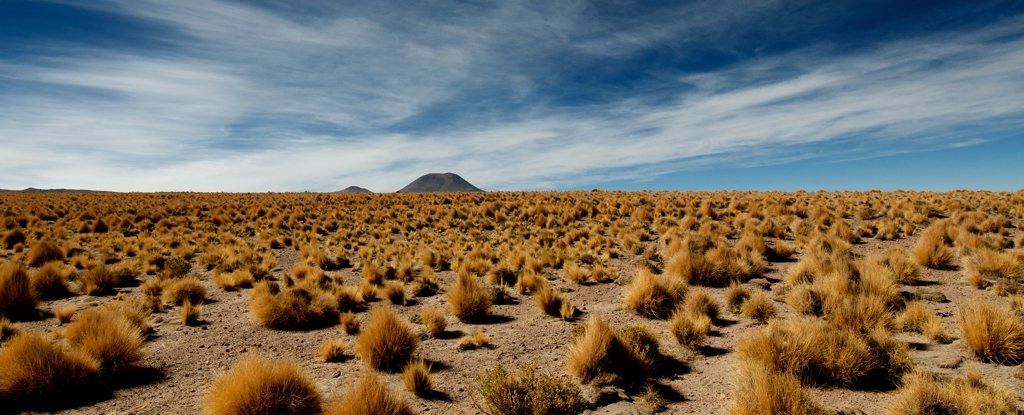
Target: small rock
{"type": "Point", "coordinates": [761, 282]}
{"type": "Point", "coordinates": [933, 296]}
{"type": "Point", "coordinates": [337, 374]}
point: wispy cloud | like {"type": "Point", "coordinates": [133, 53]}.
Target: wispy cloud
{"type": "Point", "coordinates": [254, 99]}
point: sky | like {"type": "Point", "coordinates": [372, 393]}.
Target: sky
{"type": "Point", "coordinates": [296, 95]}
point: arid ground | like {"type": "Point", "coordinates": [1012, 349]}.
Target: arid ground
{"type": "Point", "coordinates": [882, 279]}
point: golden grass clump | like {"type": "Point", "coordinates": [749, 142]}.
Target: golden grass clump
{"type": "Point", "coordinates": [554, 304]}
{"type": "Point", "coordinates": [931, 250]}
{"type": "Point", "coordinates": [291, 308]}
{"type": "Point", "coordinates": [924, 393]}
{"type": "Point", "coordinates": [349, 322]}
{"type": "Point", "coordinates": [17, 298]}
{"type": "Point", "coordinates": [699, 302]}
{"type": "Point", "coordinates": [369, 395]}
{"type": "Point", "coordinates": [993, 334]}
{"type": "Point", "coordinates": [333, 350]}
{"type": "Point", "coordinates": [916, 318]}
{"type": "Point", "coordinates": [477, 339]}
{"type": "Point", "coordinates": [861, 313]}
{"type": "Point", "coordinates": [44, 251]}
{"type": "Point", "coordinates": [467, 299]}
{"type": "Point", "coordinates": [109, 337]}
{"type": "Point", "coordinates": [735, 295]}
{"type": "Point", "coordinates": [690, 329]}
{"type": "Point", "coordinates": [760, 390]}
{"type": "Point", "coordinates": [7, 329]}
{"type": "Point", "coordinates": [190, 312]}
{"type": "Point", "coordinates": [575, 273]}
{"type": "Point", "coordinates": [394, 292]}
{"type": "Point", "coordinates": [898, 262]}
{"type": "Point", "coordinates": [652, 296]}
{"type": "Point", "coordinates": [100, 280]}
{"type": "Point", "coordinates": [64, 314]}
{"type": "Point", "coordinates": [231, 281]}
{"type": "Point", "coordinates": [433, 320]}
{"type": "Point", "coordinates": [416, 376]}
{"type": "Point", "coordinates": [529, 282]}
{"type": "Point", "coordinates": [385, 341]}
{"type": "Point", "coordinates": [50, 282]}
{"type": "Point", "coordinates": [185, 289]}
{"type": "Point", "coordinates": [601, 355]}
{"type": "Point", "coordinates": [258, 385]}
{"type": "Point", "coordinates": [759, 307]}
{"type": "Point", "coordinates": [525, 391]}
{"type": "Point", "coordinates": [985, 265]}
{"type": "Point", "coordinates": [32, 369]}
{"type": "Point", "coordinates": [816, 352]}
{"type": "Point", "coordinates": [804, 299]}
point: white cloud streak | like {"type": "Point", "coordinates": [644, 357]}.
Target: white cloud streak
{"type": "Point", "coordinates": [147, 122]}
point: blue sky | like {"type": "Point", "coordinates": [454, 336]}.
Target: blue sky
{"type": "Point", "coordinates": [223, 95]}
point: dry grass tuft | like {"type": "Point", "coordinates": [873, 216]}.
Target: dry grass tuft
{"type": "Point", "coordinates": [567, 311]}
{"type": "Point", "coordinates": [816, 352]}
{"type": "Point", "coordinates": [600, 355]}
{"type": "Point", "coordinates": [190, 312]}
{"type": "Point", "coordinates": [16, 295]}
{"type": "Point", "coordinates": [369, 395]}
{"type": "Point", "coordinates": [760, 390]}
{"type": "Point", "coordinates": [258, 385]}
{"type": "Point", "coordinates": [349, 322]}
{"type": "Point", "coordinates": [574, 273]}
{"type": "Point", "coordinates": [386, 342]}
{"type": "Point", "coordinates": [478, 339]}
{"type": "Point", "coordinates": [529, 283]}
{"type": "Point", "coordinates": [916, 318]}
{"type": "Point", "coordinates": [43, 252]}
{"type": "Point", "coordinates": [759, 307]}
{"type": "Point", "coordinates": [652, 296]}
{"type": "Point", "coordinates": [49, 282]}
{"type": "Point", "coordinates": [551, 302]}
{"type": "Point", "coordinates": [416, 376]}
{"type": "Point", "coordinates": [100, 280]}
{"type": "Point", "coordinates": [394, 292]}
{"type": "Point", "coordinates": [231, 281]}
{"type": "Point", "coordinates": [433, 320]}
{"type": "Point", "coordinates": [689, 328]}
{"type": "Point", "coordinates": [467, 299]}
{"type": "Point", "coordinates": [33, 369]}
{"type": "Point", "coordinates": [699, 302]}
{"type": "Point", "coordinates": [804, 299]}
{"type": "Point", "coordinates": [109, 337]}
{"type": "Point", "coordinates": [7, 329]}
{"type": "Point", "coordinates": [185, 289]}
{"type": "Point", "coordinates": [931, 250]}
{"type": "Point", "coordinates": [985, 265]}
{"type": "Point", "coordinates": [924, 394]}
{"type": "Point", "coordinates": [64, 314]}
{"type": "Point", "coordinates": [526, 392]}
{"type": "Point", "coordinates": [333, 350]}
{"type": "Point", "coordinates": [291, 308]}
{"type": "Point", "coordinates": [993, 334]}
{"type": "Point", "coordinates": [735, 295]}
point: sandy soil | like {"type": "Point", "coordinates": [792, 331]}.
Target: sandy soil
{"type": "Point", "coordinates": [182, 360]}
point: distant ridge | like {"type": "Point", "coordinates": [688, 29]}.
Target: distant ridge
{"type": "Point", "coordinates": [354, 189]}
{"type": "Point", "coordinates": [34, 190]}
{"type": "Point", "coordinates": [439, 182]}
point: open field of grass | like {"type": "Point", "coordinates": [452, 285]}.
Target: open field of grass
{"type": "Point", "coordinates": [512, 303]}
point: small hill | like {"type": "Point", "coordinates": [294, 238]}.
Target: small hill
{"type": "Point", "coordinates": [439, 182]}
{"type": "Point", "coordinates": [354, 189]}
